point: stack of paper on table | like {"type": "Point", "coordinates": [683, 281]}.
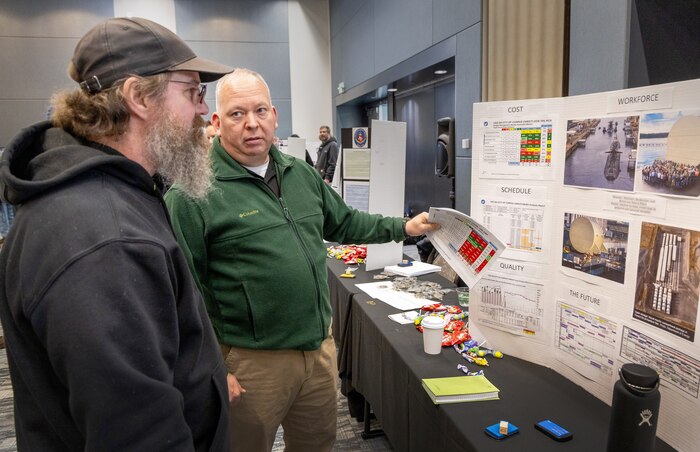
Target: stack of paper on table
{"type": "Point", "coordinates": [460, 389]}
{"type": "Point", "coordinates": [418, 268]}
{"type": "Point", "coordinates": [400, 300]}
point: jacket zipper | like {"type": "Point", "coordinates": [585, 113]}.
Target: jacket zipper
{"type": "Point", "coordinates": [293, 224]}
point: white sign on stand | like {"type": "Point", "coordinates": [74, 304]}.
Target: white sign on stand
{"type": "Point", "coordinates": [336, 183]}
{"type": "Point", "coordinates": [386, 187]}
{"type": "Point", "coordinates": [296, 147]}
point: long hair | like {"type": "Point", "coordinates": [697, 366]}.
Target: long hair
{"type": "Point", "coordinates": [103, 113]}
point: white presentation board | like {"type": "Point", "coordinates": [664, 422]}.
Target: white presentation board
{"type": "Point", "coordinates": [598, 200]}
{"type": "Point", "coordinates": [296, 147]}
{"type": "Point", "coordinates": [386, 186]}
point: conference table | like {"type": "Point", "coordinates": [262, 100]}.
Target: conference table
{"type": "Point", "coordinates": [384, 361]}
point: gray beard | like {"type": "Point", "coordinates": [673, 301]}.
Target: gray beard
{"type": "Point", "coordinates": [180, 155]}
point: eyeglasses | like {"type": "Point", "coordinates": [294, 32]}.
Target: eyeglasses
{"type": "Point", "coordinates": [198, 90]}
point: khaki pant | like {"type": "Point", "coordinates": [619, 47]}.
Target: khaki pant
{"type": "Point", "coordinates": [293, 388]}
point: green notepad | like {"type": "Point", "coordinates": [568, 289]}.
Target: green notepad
{"type": "Point", "coordinates": [460, 389]}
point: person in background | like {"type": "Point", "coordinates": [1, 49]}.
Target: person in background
{"type": "Point", "coordinates": [210, 131]}
{"type": "Point", "coordinates": [255, 246]}
{"type": "Point", "coordinates": [108, 341]}
{"type": "Point", "coordinates": [327, 154]}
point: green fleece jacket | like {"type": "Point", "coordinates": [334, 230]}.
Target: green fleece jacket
{"type": "Point", "coordinates": [259, 260]}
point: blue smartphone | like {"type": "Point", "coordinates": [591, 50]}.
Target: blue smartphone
{"type": "Point", "coordinates": [554, 431]}
{"type": "Point", "coordinates": [494, 431]}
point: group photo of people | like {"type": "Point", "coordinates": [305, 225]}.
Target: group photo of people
{"type": "Point", "coordinates": [673, 175]}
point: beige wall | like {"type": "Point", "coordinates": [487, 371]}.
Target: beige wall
{"type": "Point", "coordinates": [310, 66]}
{"type": "Point", "coordinates": [524, 49]}
{"type": "Point", "coordinates": [161, 11]}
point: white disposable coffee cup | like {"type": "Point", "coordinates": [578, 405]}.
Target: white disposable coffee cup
{"type": "Point", "coordinates": [432, 334]}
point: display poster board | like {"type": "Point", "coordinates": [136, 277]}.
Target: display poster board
{"type": "Point", "coordinates": [356, 194]}
{"type": "Point", "coordinates": [312, 146]}
{"type": "Point", "coordinates": [353, 166]}
{"type": "Point", "coordinates": [386, 186]}
{"type": "Point", "coordinates": [336, 183]}
{"type": "Point", "coordinates": [597, 198]}
{"type": "Point", "coordinates": [296, 147]}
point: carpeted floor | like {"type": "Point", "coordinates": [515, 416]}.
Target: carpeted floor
{"type": "Point", "coordinates": [349, 430]}
{"type": "Point", "coordinates": [7, 418]}
{"type": "Point", "coordinates": [349, 433]}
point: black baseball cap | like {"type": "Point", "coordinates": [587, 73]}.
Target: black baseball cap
{"type": "Point", "coordinates": [121, 47]}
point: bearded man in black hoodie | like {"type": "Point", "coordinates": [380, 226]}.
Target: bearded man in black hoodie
{"type": "Point", "coordinates": [108, 340]}
{"type": "Point", "coordinates": [327, 154]}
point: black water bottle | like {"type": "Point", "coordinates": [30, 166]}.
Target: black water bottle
{"type": "Point", "coordinates": [635, 410]}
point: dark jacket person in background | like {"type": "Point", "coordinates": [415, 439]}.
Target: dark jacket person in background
{"type": "Point", "coordinates": [327, 154]}
{"type": "Point", "coordinates": [108, 341]}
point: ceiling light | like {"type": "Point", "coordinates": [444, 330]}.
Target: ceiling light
{"type": "Point", "coordinates": [392, 90]}
{"type": "Point", "coordinates": [440, 72]}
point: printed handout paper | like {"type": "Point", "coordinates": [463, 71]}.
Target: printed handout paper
{"type": "Point", "coordinates": [467, 246]}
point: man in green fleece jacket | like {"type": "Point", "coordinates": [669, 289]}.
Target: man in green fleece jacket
{"type": "Point", "coordinates": [255, 246]}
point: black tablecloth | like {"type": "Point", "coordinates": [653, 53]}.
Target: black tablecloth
{"type": "Point", "coordinates": [385, 362]}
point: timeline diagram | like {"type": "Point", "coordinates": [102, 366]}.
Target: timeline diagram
{"type": "Point", "coordinates": [519, 224]}
{"type": "Point", "coordinates": [513, 148]}
{"type": "Point", "coordinates": [674, 367]}
{"type": "Point", "coordinates": [510, 304]}
{"type": "Point", "coordinates": [586, 338]}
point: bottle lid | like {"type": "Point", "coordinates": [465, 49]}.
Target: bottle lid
{"type": "Point", "coordinates": [639, 377]}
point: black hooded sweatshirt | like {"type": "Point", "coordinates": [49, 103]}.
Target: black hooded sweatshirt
{"type": "Point", "coordinates": [327, 158]}
{"type": "Point", "coordinates": [108, 340]}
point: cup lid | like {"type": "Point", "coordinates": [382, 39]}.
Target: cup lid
{"type": "Point", "coordinates": [433, 322]}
